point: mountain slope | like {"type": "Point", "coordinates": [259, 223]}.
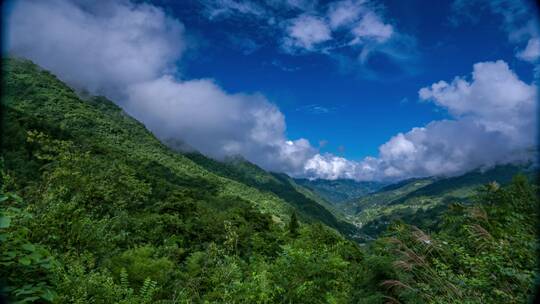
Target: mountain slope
{"type": "Point", "coordinates": [422, 201]}
{"type": "Point", "coordinates": [123, 217]}
{"type": "Point", "coordinates": [281, 185]}
{"type": "Point", "coordinates": [385, 195]}
{"type": "Point", "coordinates": [48, 105]}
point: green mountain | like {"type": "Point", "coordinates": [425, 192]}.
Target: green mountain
{"type": "Point", "coordinates": [108, 201]}
{"type": "Point", "coordinates": [421, 202]}
{"type": "Point", "coordinates": [95, 209]}
{"type": "Point", "coordinates": [339, 190]}
{"type": "Point", "coordinates": [281, 185]}
{"type": "Point", "coordinates": [100, 124]}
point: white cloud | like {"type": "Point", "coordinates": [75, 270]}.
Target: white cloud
{"type": "Point", "coordinates": [216, 123]}
{"type": "Point", "coordinates": [363, 22]}
{"type": "Point", "coordinates": [494, 122]}
{"type": "Point", "coordinates": [344, 13]}
{"type": "Point", "coordinates": [531, 53]}
{"type": "Point", "coordinates": [348, 30]}
{"type": "Point", "coordinates": [495, 98]}
{"type": "Point", "coordinates": [329, 166]}
{"type": "Point", "coordinates": [343, 19]}
{"type": "Point", "coordinates": [103, 49]}
{"type": "Point", "coordinates": [372, 27]}
{"type": "Point", "coordinates": [305, 32]}
{"type": "Point", "coordinates": [128, 51]}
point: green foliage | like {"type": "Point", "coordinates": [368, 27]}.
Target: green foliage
{"type": "Point", "coordinates": [76, 283]}
{"type": "Point", "coordinates": [141, 264]}
{"type": "Point", "coordinates": [294, 225]}
{"type": "Point", "coordinates": [421, 202]}
{"type": "Point", "coordinates": [485, 253]}
{"type": "Point", "coordinates": [25, 265]}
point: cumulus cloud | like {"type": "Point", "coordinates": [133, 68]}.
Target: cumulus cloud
{"type": "Point", "coordinates": [128, 52]}
{"type": "Point", "coordinates": [495, 98]}
{"type": "Point", "coordinates": [329, 166]}
{"type": "Point", "coordinates": [494, 122]}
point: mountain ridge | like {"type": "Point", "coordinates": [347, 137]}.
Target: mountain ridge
{"type": "Point", "coordinates": [421, 201]}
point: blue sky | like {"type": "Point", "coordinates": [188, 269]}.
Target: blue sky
{"type": "Point", "coordinates": [358, 112]}
{"type": "Point", "coordinates": [361, 89]}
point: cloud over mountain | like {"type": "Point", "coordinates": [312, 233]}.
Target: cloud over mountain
{"type": "Point", "coordinates": [128, 52]}
{"type": "Point", "coordinates": [494, 122]}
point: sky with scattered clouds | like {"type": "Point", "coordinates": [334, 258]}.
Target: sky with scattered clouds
{"type": "Point", "coordinates": [362, 89]}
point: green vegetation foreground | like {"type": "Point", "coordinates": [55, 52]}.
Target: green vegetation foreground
{"type": "Point", "coordinates": [95, 210]}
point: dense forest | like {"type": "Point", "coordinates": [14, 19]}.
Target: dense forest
{"type": "Point", "coordinates": [95, 209]}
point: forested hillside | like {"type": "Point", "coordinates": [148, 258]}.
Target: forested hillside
{"type": "Point", "coordinates": [422, 202]}
{"type": "Point", "coordinates": [94, 209]}
{"type": "Point", "coordinates": [305, 201]}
